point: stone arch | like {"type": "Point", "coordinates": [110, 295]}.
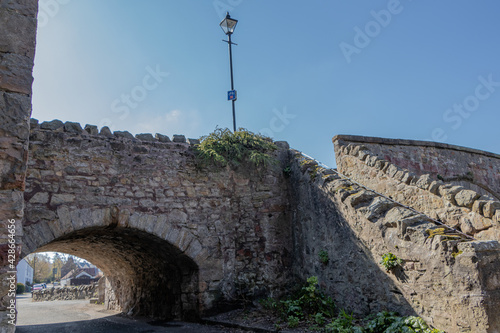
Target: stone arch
{"type": "Point", "coordinates": [146, 275]}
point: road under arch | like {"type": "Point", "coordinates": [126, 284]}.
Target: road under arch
{"type": "Point", "coordinates": [147, 276]}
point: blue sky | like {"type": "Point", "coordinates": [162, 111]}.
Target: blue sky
{"type": "Point", "coordinates": [304, 70]}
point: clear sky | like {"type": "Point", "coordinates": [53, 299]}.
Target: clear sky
{"type": "Point", "coordinates": [304, 70]}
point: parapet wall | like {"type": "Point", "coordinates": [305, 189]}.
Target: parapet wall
{"type": "Point", "coordinates": [471, 168]}
{"type": "Point", "coordinates": [373, 163]}
{"type": "Point", "coordinates": [449, 281]}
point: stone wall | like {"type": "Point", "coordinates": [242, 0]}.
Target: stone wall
{"type": "Point", "coordinates": [173, 239]}
{"type": "Point", "coordinates": [67, 293]}
{"type": "Point", "coordinates": [449, 281]}
{"type": "Point", "coordinates": [17, 49]}
{"type": "Point", "coordinates": [471, 168]}
{"type": "Point", "coordinates": [458, 206]}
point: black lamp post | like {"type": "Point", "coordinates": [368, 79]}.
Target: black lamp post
{"type": "Point", "coordinates": [228, 24]}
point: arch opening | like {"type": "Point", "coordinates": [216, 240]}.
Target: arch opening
{"type": "Point", "coordinates": [145, 275]}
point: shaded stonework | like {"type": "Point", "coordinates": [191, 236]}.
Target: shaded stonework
{"type": "Point", "coordinates": [461, 204]}
{"type": "Point", "coordinates": [17, 50]}
{"type": "Point", "coordinates": [453, 284]}
{"type": "Point", "coordinates": [471, 168]}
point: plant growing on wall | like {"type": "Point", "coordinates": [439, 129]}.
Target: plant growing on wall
{"type": "Point", "coordinates": [287, 171]}
{"type": "Point", "coordinates": [323, 257]}
{"type": "Point", "coordinates": [390, 261]}
{"type": "Point", "coordinates": [308, 305]}
{"type": "Point", "coordinates": [311, 308]}
{"type": "Point", "coordinates": [223, 147]}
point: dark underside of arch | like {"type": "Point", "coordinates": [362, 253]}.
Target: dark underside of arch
{"type": "Point", "coordinates": [147, 275]}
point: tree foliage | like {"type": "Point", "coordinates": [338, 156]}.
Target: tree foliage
{"type": "Point", "coordinates": [46, 269]}
{"type": "Point", "coordinates": [42, 267]}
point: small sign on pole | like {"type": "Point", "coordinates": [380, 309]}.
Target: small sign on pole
{"type": "Point", "coordinates": [231, 95]}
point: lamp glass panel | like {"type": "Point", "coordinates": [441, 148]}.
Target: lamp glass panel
{"type": "Point", "coordinates": [228, 25]}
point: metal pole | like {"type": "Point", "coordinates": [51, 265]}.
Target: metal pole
{"type": "Point", "coordinates": [232, 82]}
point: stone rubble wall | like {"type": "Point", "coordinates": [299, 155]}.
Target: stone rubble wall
{"type": "Point", "coordinates": [73, 128]}
{"type": "Point", "coordinates": [141, 210]}
{"type": "Point", "coordinates": [67, 293]}
{"type": "Point", "coordinates": [471, 168]}
{"type": "Point", "coordinates": [458, 206]}
{"type": "Point", "coordinates": [453, 284]}
{"type": "Point", "coordinates": [17, 50]}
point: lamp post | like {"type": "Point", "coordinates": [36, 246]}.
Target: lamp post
{"type": "Point", "coordinates": [228, 24]}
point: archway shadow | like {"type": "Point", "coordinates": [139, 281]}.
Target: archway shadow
{"type": "Point", "coordinates": [146, 275]}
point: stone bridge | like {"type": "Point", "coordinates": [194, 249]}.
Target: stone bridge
{"type": "Point", "coordinates": [173, 240]}
{"type": "Point", "coordinates": [178, 241]}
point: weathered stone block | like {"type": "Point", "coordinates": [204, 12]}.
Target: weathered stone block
{"type": "Point", "coordinates": [72, 127]}
{"type": "Point", "coordinates": [58, 199]}
{"type": "Point", "coordinates": [421, 221]}
{"type": "Point", "coordinates": [492, 233]}
{"type": "Point", "coordinates": [392, 170]}
{"type": "Point", "coordinates": [378, 207]}
{"type": "Point", "coordinates": [448, 192]}
{"type": "Point", "coordinates": [396, 214]}
{"type": "Point", "coordinates": [479, 246]}
{"type": "Point", "coordinates": [52, 125]}
{"type": "Point", "coordinates": [424, 181]}
{"type": "Point", "coordinates": [17, 33]}
{"type": "Point", "coordinates": [34, 124]}
{"type": "Point", "coordinates": [123, 134]}
{"type": "Point", "coordinates": [380, 164]}
{"type": "Point", "coordinates": [91, 129]}
{"type": "Point", "coordinates": [282, 145]}
{"type": "Point", "coordinates": [363, 155]}
{"type": "Point", "coordinates": [21, 7]}
{"type": "Point", "coordinates": [477, 206]}
{"type": "Point", "coordinates": [371, 160]}
{"type": "Point", "coordinates": [179, 138]}
{"type": "Point", "coordinates": [490, 207]}
{"type": "Point", "coordinates": [15, 119]}
{"type": "Point", "coordinates": [162, 138]}
{"type": "Point", "coordinates": [466, 226]}
{"type": "Point", "coordinates": [40, 198]}
{"type": "Point", "coordinates": [145, 137]}
{"type": "Point", "coordinates": [15, 73]}
{"type": "Point", "coordinates": [408, 177]}
{"type": "Point", "coordinates": [496, 217]}
{"type": "Point", "coordinates": [434, 187]}
{"type": "Point", "coordinates": [105, 131]}
{"type": "Point", "coordinates": [360, 198]}
{"type": "Point", "coordinates": [346, 150]}
{"type": "Point", "coordinates": [476, 221]}
{"type": "Point", "coordinates": [466, 198]}
{"type": "Point", "coordinates": [353, 149]}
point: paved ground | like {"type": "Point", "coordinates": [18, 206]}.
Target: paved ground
{"type": "Point", "coordinates": [82, 317]}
